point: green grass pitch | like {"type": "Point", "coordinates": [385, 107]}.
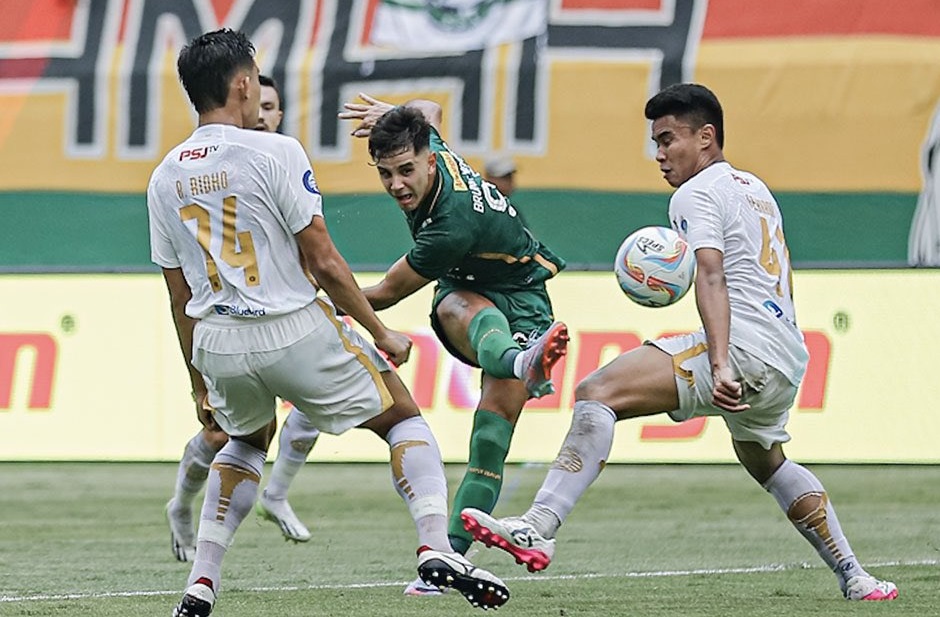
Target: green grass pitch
{"type": "Point", "coordinates": [89, 539]}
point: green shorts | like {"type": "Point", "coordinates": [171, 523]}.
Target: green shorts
{"type": "Point", "coordinates": [529, 313]}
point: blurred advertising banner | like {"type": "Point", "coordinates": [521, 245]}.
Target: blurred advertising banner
{"type": "Point", "coordinates": [90, 369]}
{"type": "Point", "coordinates": [820, 95]}
{"type": "Point", "coordinates": [458, 25]}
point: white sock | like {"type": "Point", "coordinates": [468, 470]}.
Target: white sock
{"type": "Point", "coordinates": [418, 475]}
{"type": "Point", "coordinates": [804, 500]}
{"type": "Point", "coordinates": [297, 438]}
{"type": "Point", "coordinates": [580, 461]}
{"type": "Point", "coordinates": [230, 494]}
{"type": "Point", "coordinates": [193, 470]}
{"type": "Point", "coordinates": [518, 367]}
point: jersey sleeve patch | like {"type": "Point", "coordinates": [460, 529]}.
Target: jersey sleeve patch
{"type": "Point", "coordinates": [310, 182]}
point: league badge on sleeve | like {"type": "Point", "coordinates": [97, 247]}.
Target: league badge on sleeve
{"type": "Point", "coordinates": [310, 183]}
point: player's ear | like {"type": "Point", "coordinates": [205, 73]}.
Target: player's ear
{"type": "Point", "coordinates": [432, 161]}
{"type": "Point", "coordinates": [243, 83]}
{"type": "Point", "coordinates": [707, 135]}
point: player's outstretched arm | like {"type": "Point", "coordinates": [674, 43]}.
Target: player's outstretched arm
{"type": "Point", "coordinates": [334, 276]}
{"type": "Point", "coordinates": [431, 111]}
{"type": "Point", "coordinates": [400, 281]}
{"type": "Point", "coordinates": [368, 110]}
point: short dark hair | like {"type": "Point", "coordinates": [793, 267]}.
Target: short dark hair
{"type": "Point", "coordinates": [270, 82]}
{"type": "Point", "coordinates": [398, 130]}
{"type": "Point", "coordinates": [207, 64]}
{"type": "Point", "coordinates": [693, 102]}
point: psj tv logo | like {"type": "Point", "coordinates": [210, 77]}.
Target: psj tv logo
{"type": "Point", "coordinates": [194, 154]}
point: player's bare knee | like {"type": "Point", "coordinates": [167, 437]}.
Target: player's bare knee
{"type": "Point", "coordinates": [449, 310]}
{"type": "Point", "coordinates": [401, 410]}
{"type": "Point", "coordinates": [456, 305]}
{"type": "Point", "coordinates": [761, 463]}
{"type": "Point", "coordinates": [403, 404]}
{"type": "Point", "coordinates": [259, 440]}
{"type": "Point", "coordinates": [504, 397]}
{"type": "Point", "coordinates": [214, 438]}
{"type": "Point", "coordinates": [593, 388]}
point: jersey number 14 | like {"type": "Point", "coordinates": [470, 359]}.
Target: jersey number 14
{"type": "Point", "coordinates": [238, 250]}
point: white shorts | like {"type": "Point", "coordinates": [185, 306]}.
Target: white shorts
{"type": "Point", "coordinates": [769, 393]}
{"type": "Point", "coordinates": [309, 357]}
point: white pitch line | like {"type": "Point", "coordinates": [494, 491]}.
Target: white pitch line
{"type": "Point", "coordinates": [536, 577]}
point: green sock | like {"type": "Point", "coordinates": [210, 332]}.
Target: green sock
{"type": "Point", "coordinates": [492, 340]}
{"type": "Point", "coordinates": [489, 444]}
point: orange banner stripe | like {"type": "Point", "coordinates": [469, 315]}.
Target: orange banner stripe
{"type": "Point", "coordinates": [746, 18]}
{"type": "Point", "coordinates": [38, 20]}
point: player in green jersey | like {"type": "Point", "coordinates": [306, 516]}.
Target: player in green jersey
{"type": "Point", "coordinates": [490, 307]}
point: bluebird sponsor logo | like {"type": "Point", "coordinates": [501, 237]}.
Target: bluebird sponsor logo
{"type": "Point", "coordinates": [771, 306]}
{"type": "Point", "coordinates": [310, 183]}
{"type": "Point", "coordinates": [774, 308]}
{"type": "Point", "coordinates": [234, 310]}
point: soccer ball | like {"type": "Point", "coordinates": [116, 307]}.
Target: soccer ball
{"type": "Point", "coordinates": [654, 266]}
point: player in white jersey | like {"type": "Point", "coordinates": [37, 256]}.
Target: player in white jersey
{"type": "Point", "coordinates": [236, 225]}
{"type": "Point", "coordinates": [744, 365]}
{"type": "Point", "coordinates": [295, 441]}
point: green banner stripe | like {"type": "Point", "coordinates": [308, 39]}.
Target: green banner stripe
{"type": "Point", "coordinates": [54, 231]}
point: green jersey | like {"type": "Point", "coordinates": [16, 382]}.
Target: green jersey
{"type": "Point", "coordinates": [467, 234]}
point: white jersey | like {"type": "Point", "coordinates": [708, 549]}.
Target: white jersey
{"type": "Point", "coordinates": [734, 212]}
{"type": "Point", "coordinates": [923, 245]}
{"type": "Point", "coordinates": [224, 206]}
